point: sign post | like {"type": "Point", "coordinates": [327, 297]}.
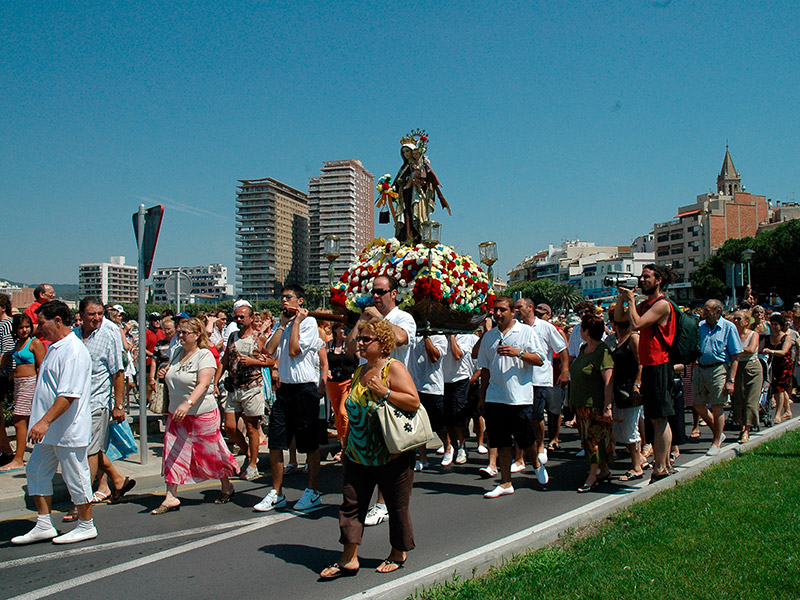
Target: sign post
{"type": "Point", "coordinates": [146, 226]}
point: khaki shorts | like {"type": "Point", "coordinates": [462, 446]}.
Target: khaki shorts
{"type": "Point", "coordinates": [101, 419]}
{"type": "Point", "coordinates": [708, 385]}
{"type": "Point", "coordinates": [249, 402]}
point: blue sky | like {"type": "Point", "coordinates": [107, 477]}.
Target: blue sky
{"type": "Point", "coordinates": [547, 120]}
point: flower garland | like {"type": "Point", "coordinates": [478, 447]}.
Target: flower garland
{"type": "Point", "coordinates": [457, 281]}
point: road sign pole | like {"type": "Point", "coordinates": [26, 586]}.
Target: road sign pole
{"type": "Point", "coordinates": [179, 290]}
{"type": "Point", "coordinates": [142, 341]}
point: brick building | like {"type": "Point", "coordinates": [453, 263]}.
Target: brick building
{"type": "Point", "coordinates": [699, 229]}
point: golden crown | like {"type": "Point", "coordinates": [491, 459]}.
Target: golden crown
{"type": "Point", "coordinates": [417, 137]}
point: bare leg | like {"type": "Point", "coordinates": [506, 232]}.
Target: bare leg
{"type": "Point", "coordinates": [276, 468]}
{"type": "Point", "coordinates": [312, 460]}
{"type": "Point", "coordinates": [234, 435]}
{"type": "Point", "coordinates": [504, 458]}
{"type": "Point", "coordinates": [662, 440]}
{"type": "Point", "coordinates": [253, 439]}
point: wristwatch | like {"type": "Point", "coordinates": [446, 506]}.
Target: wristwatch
{"type": "Point", "coordinates": [521, 353]}
{"type": "Point", "coordinates": [731, 380]}
{"type": "Point", "coordinates": [386, 395]}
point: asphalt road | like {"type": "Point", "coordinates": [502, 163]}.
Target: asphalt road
{"type": "Point", "coordinates": [229, 551]}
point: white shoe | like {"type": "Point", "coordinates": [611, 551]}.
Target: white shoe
{"type": "Point", "coordinates": [541, 475]}
{"type": "Point", "coordinates": [447, 459]}
{"type": "Point", "coordinates": [440, 449]}
{"type": "Point", "coordinates": [461, 456]}
{"type": "Point", "coordinates": [487, 472]}
{"type": "Point", "coordinates": [377, 514]}
{"type": "Point", "coordinates": [483, 449]}
{"type": "Point", "coordinates": [581, 454]}
{"type": "Point", "coordinates": [270, 501]}
{"type": "Point", "coordinates": [500, 491]}
{"type": "Point", "coordinates": [714, 450]}
{"type": "Point", "coordinates": [542, 456]}
{"type": "Point", "coordinates": [76, 535]}
{"type": "Point", "coordinates": [35, 535]}
{"type": "Point", "coordinates": [419, 466]}
{"type": "Point", "coordinates": [309, 500]}
{"type": "Point", "coordinates": [515, 468]}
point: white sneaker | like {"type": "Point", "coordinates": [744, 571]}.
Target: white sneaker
{"type": "Point", "coordinates": [79, 534]}
{"type": "Point", "coordinates": [270, 501]}
{"type": "Point", "coordinates": [419, 466]}
{"type": "Point", "coordinates": [714, 450]}
{"type": "Point", "coordinates": [542, 456]}
{"type": "Point", "coordinates": [440, 449]}
{"type": "Point", "coordinates": [310, 499]}
{"type": "Point", "coordinates": [461, 456]}
{"type": "Point", "coordinates": [377, 514]}
{"type": "Point", "coordinates": [487, 472]}
{"type": "Point", "coordinates": [35, 535]}
{"type": "Point", "coordinates": [515, 468]}
{"type": "Point", "coordinates": [541, 475]}
{"type": "Point", "coordinates": [249, 473]}
{"type": "Point", "coordinates": [447, 459]}
{"type": "Point", "coordinates": [500, 491]}
{"type": "Point", "coordinates": [581, 454]}
{"type": "Point", "coordinates": [483, 449]}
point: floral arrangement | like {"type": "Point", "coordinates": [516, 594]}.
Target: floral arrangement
{"type": "Point", "coordinates": [457, 282]}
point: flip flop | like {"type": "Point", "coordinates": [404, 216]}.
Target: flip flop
{"type": "Point", "coordinates": [225, 497]}
{"type": "Point", "coordinates": [553, 447]}
{"type": "Point", "coordinates": [631, 476]}
{"type": "Point", "coordinates": [340, 572]}
{"type": "Point", "coordinates": [127, 486]}
{"type": "Point", "coordinates": [289, 468]}
{"type": "Point", "coordinates": [388, 562]}
{"type": "Point", "coordinates": [17, 470]}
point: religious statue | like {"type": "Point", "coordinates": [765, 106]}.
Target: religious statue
{"type": "Point", "coordinates": [415, 187]}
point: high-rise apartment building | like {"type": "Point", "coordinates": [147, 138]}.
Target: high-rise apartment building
{"type": "Point", "coordinates": [112, 281]}
{"type": "Point", "coordinates": [272, 237]}
{"type": "Point", "coordinates": [700, 228]}
{"type": "Point", "coordinates": [340, 202]}
{"type": "Point", "coordinates": [210, 282]}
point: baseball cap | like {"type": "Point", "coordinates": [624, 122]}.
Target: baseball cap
{"type": "Point", "coordinates": [544, 308]}
{"type": "Point", "coordinates": [119, 308]}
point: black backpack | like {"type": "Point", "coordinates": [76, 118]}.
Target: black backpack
{"type": "Point", "coordinates": [685, 347]}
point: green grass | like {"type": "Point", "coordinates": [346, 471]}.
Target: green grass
{"type": "Point", "coordinates": [731, 532]}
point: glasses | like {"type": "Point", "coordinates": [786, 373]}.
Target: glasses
{"type": "Point", "coordinates": [182, 332]}
{"type": "Point", "coordinates": [237, 317]}
{"type": "Point", "coordinates": [287, 296]}
{"type": "Point", "coordinates": [380, 292]}
{"type": "Point", "coordinates": [365, 339]}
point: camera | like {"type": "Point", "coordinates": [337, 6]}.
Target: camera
{"type": "Point", "coordinates": [625, 280]}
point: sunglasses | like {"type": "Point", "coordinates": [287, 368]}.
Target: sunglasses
{"type": "Point", "coordinates": [182, 332]}
{"type": "Point", "coordinates": [365, 339]}
{"type": "Point", "coordinates": [380, 292]}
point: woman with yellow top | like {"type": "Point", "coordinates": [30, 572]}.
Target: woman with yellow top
{"type": "Point", "coordinates": [367, 461]}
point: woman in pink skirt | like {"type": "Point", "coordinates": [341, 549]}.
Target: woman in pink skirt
{"type": "Point", "coordinates": [193, 446]}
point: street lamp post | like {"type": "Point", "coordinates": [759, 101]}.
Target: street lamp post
{"type": "Point", "coordinates": [747, 256]}
{"type": "Point", "coordinates": [331, 254]}
{"type": "Point", "coordinates": [488, 252]}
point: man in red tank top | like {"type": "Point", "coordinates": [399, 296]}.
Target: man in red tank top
{"type": "Point", "coordinates": [655, 322]}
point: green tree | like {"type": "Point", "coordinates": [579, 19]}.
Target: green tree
{"type": "Point", "coordinates": [557, 295]}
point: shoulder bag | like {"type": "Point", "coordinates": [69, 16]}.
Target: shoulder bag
{"type": "Point", "coordinates": [403, 430]}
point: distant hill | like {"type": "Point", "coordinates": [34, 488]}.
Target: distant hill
{"type": "Point", "coordinates": [67, 291]}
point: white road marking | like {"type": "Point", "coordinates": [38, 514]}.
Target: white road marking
{"type": "Point", "coordinates": [164, 554]}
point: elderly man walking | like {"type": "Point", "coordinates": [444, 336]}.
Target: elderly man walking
{"type": "Point", "coordinates": [62, 428]}
{"type": "Point", "coordinates": [715, 374]}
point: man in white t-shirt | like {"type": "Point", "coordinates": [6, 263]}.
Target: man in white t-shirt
{"type": "Point", "coordinates": [295, 413]}
{"type": "Point", "coordinates": [542, 382]}
{"type": "Point", "coordinates": [507, 357]}
{"type": "Point", "coordinates": [457, 369]}
{"type": "Point", "coordinates": [61, 427]}
{"type": "Point", "coordinates": [425, 367]}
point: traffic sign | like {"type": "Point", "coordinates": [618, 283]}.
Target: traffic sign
{"type": "Point", "coordinates": [152, 225]}
{"type": "Point", "coordinates": [178, 284]}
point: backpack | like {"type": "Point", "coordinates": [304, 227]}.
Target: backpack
{"type": "Point", "coordinates": [685, 347]}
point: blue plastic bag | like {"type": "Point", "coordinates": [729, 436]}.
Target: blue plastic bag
{"type": "Point", "coordinates": [121, 442]}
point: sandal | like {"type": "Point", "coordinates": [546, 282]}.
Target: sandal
{"type": "Point", "coordinates": [100, 498]}
{"type": "Point", "coordinates": [71, 516]}
{"type": "Point", "coordinates": [340, 572]}
{"type": "Point", "coordinates": [289, 468]}
{"type": "Point", "coordinates": [695, 433]}
{"type": "Point", "coordinates": [553, 447]}
{"type": "Point", "coordinates": [588, 487]}
{"type": "Point", "coordinates": [388, 562]}
{"type": "Point", "coordinates": [126, 487]}
{"type": "Point", "coordinates": [225, 497]}
{"type": "Point", "coordinates": [631, 476]}
{"type": "Point", "coordinates": [162, 509]}
{"type": "Point", "coordinates": [659, 476]}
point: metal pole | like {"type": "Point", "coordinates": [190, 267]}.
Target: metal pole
{"type": "Point", "coordinates": [179, 291]}
{"type": "Point", "coordinates": [142, 345]}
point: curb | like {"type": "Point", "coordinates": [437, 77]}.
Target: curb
{"type": "Point", "coordinates": [479, 560]}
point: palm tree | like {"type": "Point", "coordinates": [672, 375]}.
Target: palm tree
{"type": "Point", "coordinates": [565, 296]}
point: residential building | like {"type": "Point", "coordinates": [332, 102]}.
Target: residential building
{"type": "Point", "coordinates": [340, 202]}
{"type": "Point", "coordinates": [209, 284]}
{"type": "Point", "coordinates": [596, 267]}
{"type": "Point", "coordinates": [113, 281]}
{"type": "Point", "coordinates": [782, 212]}
{"type": "Point", "coordinates": [699, 229]}
{"type": "Point", "coordinates": [272, 237]}
{"type": "Point", "coordinates": [560, 264]}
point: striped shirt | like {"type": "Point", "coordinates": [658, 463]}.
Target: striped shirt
{"type": "Point", "coordinates": [105, 347]}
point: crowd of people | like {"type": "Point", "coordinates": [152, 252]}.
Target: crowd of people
{"type": "Point", "coordinates": [519, 379]}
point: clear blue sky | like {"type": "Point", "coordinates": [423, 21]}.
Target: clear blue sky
{"type": "Point", "coordinates": [547, 120]}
